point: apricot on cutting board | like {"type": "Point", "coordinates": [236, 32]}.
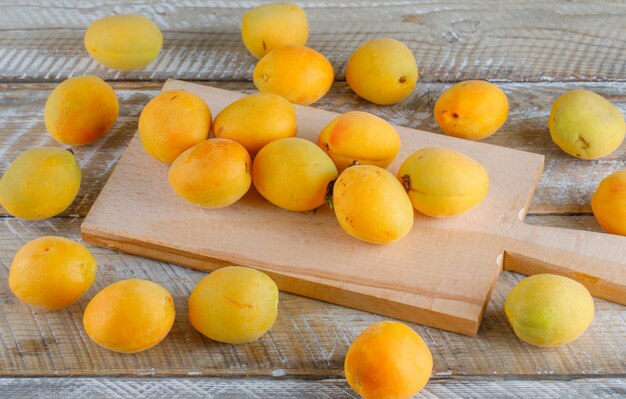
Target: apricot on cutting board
{"type": "Point", "coordinates": [382, 71]}
{"type": "Point", "coordinates": [172, 122]}
{"type": "Point", "coordinates": [256, 120]}
{"type": "Point", "coordinates": [293, 174]}
{"type": "Point", "coordinates": [388, 360]}
{"type": "Point", "coordinates": [297, 73]}
{"type": "Point", "coordinates": [473, 109]}
{"type": "Point", "coordinates": [371, 204]}
{"type": "Point", "coordinates": [549, 310]}
{"type": "Point", "coordinates": [586, 125]}
{"type": "Point", "coordinates": [80, 110]}
{"type": "Point", "coordinates": [442, 182]}
{"type": "Point", "coordinates": [129, 316]}
{"type": "Point", "coordinates": [52, 272]}
{"type": "Point", "coordinates": [40, 183]}
{"type": "Point", "coordinates": [124, 42]}
{"type": "Point", "coordinates": [359, 138]}
{"type": "Point", "coordinates": [274, 25]}
{"type": "Point", "coordinates": [609, 203]}
{"type": "Point", "coordinates": [234, 304]}
{"type": "Point", "coordinates": [213, 174]}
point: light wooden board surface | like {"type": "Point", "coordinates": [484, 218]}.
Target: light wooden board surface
{"type": "Point", "coordinates": [552, 46]}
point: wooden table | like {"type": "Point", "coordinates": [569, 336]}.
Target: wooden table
{"type": "Point", "coordinates": [535, 50]}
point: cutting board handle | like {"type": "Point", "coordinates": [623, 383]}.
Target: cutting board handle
{"type": "Point", "coordinates": [597, 260]}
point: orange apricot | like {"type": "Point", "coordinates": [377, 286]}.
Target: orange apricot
{"type": "Point", "coordinates": [609, 203]}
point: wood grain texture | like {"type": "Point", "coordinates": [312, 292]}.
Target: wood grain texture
{"type": "Point", "coordinates": [254, 388]}
{"type": "Point", "coordinates": [560, 190]}
{"type": "Point", "coordinates": [455, 40]}
{"type": "Point", "coordinates": [310, 338]}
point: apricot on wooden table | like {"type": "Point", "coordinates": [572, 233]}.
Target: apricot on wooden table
{"type": "Point", "coordinates": [359, 138]}
{"type": "Point", "coordinates": [129, 316]}
{"type": "Point", "coordinates": [172, 122]}
{"type": "Point", "coordinates": [297, 73]}
{"type": "Point", "coordinates": [609, 203]}
{"type": "Point", "coordinates": [234, 304]}
{"type": "Point", "coordinates": [388, 360]}
{"type": "Point", "coordinates": [382, 71]}
{"type": "Point", "coordinates": [80, 110]}
{"type": "Point", "coordinates": [586, 125]}
{"type": "Point", "coordinates": [274, 25]}
{"type": "Point", "coordinates": [213, 174]}
{"type": "Point", "coordinates": [293, 174]}
{"type": "Point", "coordinates": [125, 42]}
{"type": "Point", "coordinates": [442, 182]}
{"type": "Point", "coordinates": [52, 272]}
{"type": "Point", "coordinates": [255, 120]}
{"type": "Point", "coordinates": [371, 204]}
{"type": "Point", "coordinates": [473, 109]}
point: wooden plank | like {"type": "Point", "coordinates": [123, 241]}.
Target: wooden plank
{"type": "Point", "coordinates": [310, 338]}
{"type": "Point", "coordinates": [114, 388]}
{"type": "Point", "coordinates": [559, 190]}
{"type": "Point", "coordinates": [504, 40]}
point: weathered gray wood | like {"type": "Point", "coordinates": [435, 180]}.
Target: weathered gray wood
{"type": "Point", "coordinates": [506, 40]}
{"type": "Point", "coordinates": [310, 338]}
{"type": "Point", "coordinates": [566, 186]}
{"type": "Point", "coordinates": [113, 388]}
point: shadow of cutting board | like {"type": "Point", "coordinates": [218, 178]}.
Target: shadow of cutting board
{"type": "Point", "coordinates": [441, 274]}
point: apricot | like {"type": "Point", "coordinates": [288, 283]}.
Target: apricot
{"type": "Point", "coordinates": [293, 174]}
{"type": "Point", "coordinates": [586, 125]}
{"type": "Point", "coordinates": [213, 174]}
{"type": "Point", "coordinates": [129, 316]}
{"type": "Point", "coordinates": [371, 205]}
{"type": "Point", "coordinates": [80, 110]}
{"type": "Point", "coordinates": [234, 304]}
{"type": "Point", "coordinates": [40, 183]}
{"type": "Point", "coordinates": [471, 110]}
{"type": "Point", "coordinates": [124, 42]}
{"type": "Point", "coordinates": [609, 203]}
{"type": "Point", "coordinates": [172, 122]}
{"type": "Point", "coordinates": [255, 120]}
{"type": "Point", "coordinates": [274, 25]}
{"type": "Point", "coordinates": [382, 71]}
{"type": "Point", "coordinates": [549, 310]}
{"type": "Point", "coordinates": [388, 360]}
{"type": "Point", "coordinates": [442, 182]}
{"type": "Point", "coordinates": [298, 73]}
{"type": "Point", "coordinates": [359, 138]}
{"type": "Point", "coordinates": [52, 272]}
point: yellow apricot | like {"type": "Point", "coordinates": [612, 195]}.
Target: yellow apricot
{"type": "Point", "coordinates": [609, 203]}
{"type": "Point", "coordinates": [172, 122]}
{"type": "Point", "coordinates": [255, 120]}
{"type": "Point", "coordinates": [359, 138]}
{"type": "Point", "coordinates": [471, 110]}
{"type": "Point", "coordinates": [52, 272]}
{"type": "Point", "coordinates": [297, 73]}
{"type": "Point", "coordinates": [274, 25]}
{"type": "Point", "coordinates": [213, 174]}
{"type": "Point", "coordinates": [382, 71]}
{"type": "Point", "coordinates": [40, 183]}
{"type": "Point", "coordinates": [124, 42]}
{"type": "Point", "coordinates": [549, 310]}
{"type": "Point", "coordinates": [586, 125]}
{"type": "Point", "coordinates": [388, 360]}
{"type": "Point", "coordinates": [442, 182]}
{"type": "Point", "coordinates": [129, 316]}
{"type": "Point", "coordinates": [371, 205]}
{"type": "Point", "coordinates": [293, 173]}
{"type": "Point", "coordinates": [234, 304]}
{"type": "Point", "coordinates": [80, 110]}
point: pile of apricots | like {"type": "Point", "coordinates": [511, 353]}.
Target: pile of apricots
{"type": "Point", "coordinates": [255, 143]}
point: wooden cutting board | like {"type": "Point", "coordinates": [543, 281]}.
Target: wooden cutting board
{"type": "Point", "coordinates": [441, 274]}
